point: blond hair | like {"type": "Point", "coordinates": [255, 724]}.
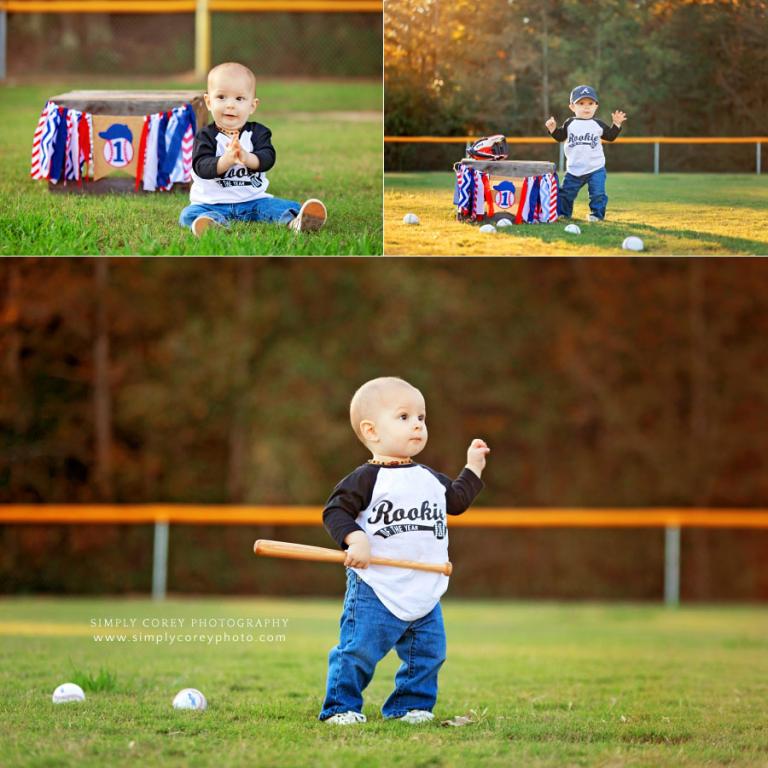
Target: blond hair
{"type": "Point", "coordinates": [368, 396]}
{"type": "Point", "coordinates": [234, 66]}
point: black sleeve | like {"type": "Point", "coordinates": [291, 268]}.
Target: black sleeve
{"type": "Point", "coordinates": [610, 132]}
{"type": "Point", "coordinates": [461, 492]}
{"type": "Point", "coordinates": [348, 499]}
{"type": "Point", "coordinates": [561, 133]}
{"type": "Point", "coordinates": [204, 158]}
{"type": "Point", "coordinates": [262, 146]}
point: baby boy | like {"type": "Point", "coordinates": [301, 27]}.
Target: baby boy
{"type": "Point", "coordinates": [230, 159]}
{"type": "Point", "coordinates": [393, 507]}
{"type": "Point", "coordinates": [584, 151]}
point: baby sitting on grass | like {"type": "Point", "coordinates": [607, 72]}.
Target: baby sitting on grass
{"type": "Point", "coordinates": [230, 159]}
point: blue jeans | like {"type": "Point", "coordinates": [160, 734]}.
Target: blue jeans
{"type": "Point", "coordinates": [261, 209]}
{"type": "Point", "coordinates": [368, 632]}
{"type": "Point", "coordinates": [595, 182]}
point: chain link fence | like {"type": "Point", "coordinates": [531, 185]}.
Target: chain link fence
{"type": "Point", "coordinates": [278, 44]}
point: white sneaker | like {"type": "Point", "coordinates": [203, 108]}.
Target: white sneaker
{"type": "Point", "coordinates": [312, 216]}
{"type": "Point", "coordinates": [201, 223]}
{"type": "Point", "coordinates": [592, 218]}
{"type": "Point", "coordinates": [346, 718]}
{"type": "Point", "coordinates": [416, 716]}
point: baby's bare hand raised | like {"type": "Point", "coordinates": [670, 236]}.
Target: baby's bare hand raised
{"type": "Point", "coordinates": [551, 124]}
{"type": "Point", "coordinates": [232, 153]}
{"type": "Point", "coordinates": [230, 157]}
{"type": "Point", "coordinates": [618, 117]}
{"type": "Point", "coordinates": [476, 453]}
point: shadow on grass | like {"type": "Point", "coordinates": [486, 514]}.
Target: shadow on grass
{"type": "Point", "coordinates": [683, 192]}
{"type": "Point", "coordinates": [754, 247]}
{"type": "Point", "coordinates": [715, 243]}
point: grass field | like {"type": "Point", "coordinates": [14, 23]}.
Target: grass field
{"type": "Point", "coordinates": [549, 685]}
{"type": "Point", "coordinates": [328, 140]}
{"type": "Point", "coordinates": [674, 214]}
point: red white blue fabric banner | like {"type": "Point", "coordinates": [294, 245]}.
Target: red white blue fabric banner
{"type": "Point", "coordinates": [63, 143]}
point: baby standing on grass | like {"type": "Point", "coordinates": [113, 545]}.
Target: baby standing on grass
{"type": "Point", "coordinates": [584, 152]}
{"type": "Point", "coordinates": [230, 159]}
{"type": "Point", "coordinates": [393, 507]}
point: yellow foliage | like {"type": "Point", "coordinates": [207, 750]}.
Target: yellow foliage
{"type": "Point", "coordinates": [459, 31]}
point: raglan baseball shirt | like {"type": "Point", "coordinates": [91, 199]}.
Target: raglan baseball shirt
{"type": "Point", "coordinates": [583, 149]}
{"type": "Point", "coordinates": [239, 184]}
{"type": "Point", "coordinates": [402, 509]}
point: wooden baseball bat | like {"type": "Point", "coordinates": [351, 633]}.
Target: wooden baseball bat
{"type": "Point", "coordinates": [291, 551]}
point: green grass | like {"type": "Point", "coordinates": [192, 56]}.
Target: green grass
{"type": "Point", "coordinates": [550, 685]}
{"type": "Point", "coordinates": [674, 214]}
{"type": "Point", "coordinates": [328, 140]}
{"type": "Point", "coordinates": [104, 680]}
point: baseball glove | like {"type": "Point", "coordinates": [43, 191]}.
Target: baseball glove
{"type": "Point", "coordinates": [489, 148]}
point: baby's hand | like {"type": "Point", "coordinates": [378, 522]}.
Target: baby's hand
{"type": "Point", "coordinates": [232, 153]}
{"type": "Point", "coordinates": [618, 117]}
{"type": "Point", "coordinates": [476, 453]}
{"type": "Point", "coordinates": [551, 124]}
{"type": "Point", "coordinates": [359, 551]}
{"type": "Point", "coordinates": [238, 150]}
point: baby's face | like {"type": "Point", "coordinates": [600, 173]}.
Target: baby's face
{"type": "Point", "coordinates": [230, 99]}
{"type": "Point", "coordinates": [584, 108]}
{"type": "Point", "coordinates": [400, 423]}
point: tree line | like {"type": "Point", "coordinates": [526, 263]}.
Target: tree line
{"type": "Point", "coordinates": [676, 67]}
{"type": "Point", "coordinates": [596, 382]}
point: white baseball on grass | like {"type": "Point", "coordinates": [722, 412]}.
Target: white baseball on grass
{"type": "Point", "coordinates": [632, 243]}
{"type": "Point", "coordinates": [504, 223]}
{"type": "Point", "coordinates": [68, 692]}
{"type": "Point", "coordinates": [189, 698]}
{"type": "Point", "coordinates": [488, 229]}
{"type": "Point", "coordinates": [410, 218]}
{"type": "Point", "coordinates": [573, 229]}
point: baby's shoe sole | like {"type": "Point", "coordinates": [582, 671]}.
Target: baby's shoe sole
{"type": "Point", "coordinates": [311, 217]}
{"type": "Point", "coordinates": [201, 223]}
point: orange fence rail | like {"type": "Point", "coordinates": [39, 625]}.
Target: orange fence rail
{"type": "Point", "coordinates": [548, 140]}
{"type": "Point", "coordinates": [190, 6]}
{"type": "Point", "coordinates": [657, 141]}
{"type": "Point", "coordinates": [671, 519]}
{"type": "Point", "coordinates": [479, 517]}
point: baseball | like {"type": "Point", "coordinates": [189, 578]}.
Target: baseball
{"type": "Point", "coordinates": [410, 218]}
{"type": "Point", "coordinates": [573, 229]}
{"type": "Point", "coordinates": [67, 692]}
{"type": "Point", "coordinates": [189, 698]}
{"type": "Point", "coordinates": [488, 229]}
{"type": "Point", "coordinates": [632, 243]}
{"type": "Point", "coordinates": [504, 223]}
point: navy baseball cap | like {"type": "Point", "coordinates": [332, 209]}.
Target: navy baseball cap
{"type": "Point", "coordinates": [117, 131]}
{"type": "Point", "coordinates": [583, 92]}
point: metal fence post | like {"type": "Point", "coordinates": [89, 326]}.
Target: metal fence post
{"type": "Point", "coordinates": [672, 565]}
{"type": "Point", "coordinates": [160, 561]}
{"type": "Point", "coordinates": [202, 38]}
{"type": "Point", "coordinates": [561, 158]}
{"type": "Point", "coordinates": [758, 154]}
{"type": "Point", "coordinates": [3, 41]}
{"type": "Point", "coordinates": [656, 157]}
